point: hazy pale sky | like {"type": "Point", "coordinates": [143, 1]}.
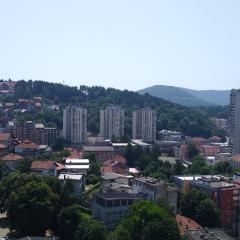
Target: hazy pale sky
{"type": "Point", "coordinates": [126, 44]}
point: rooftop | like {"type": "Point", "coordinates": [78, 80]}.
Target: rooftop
{"type": "Point", "coordinates": [76, 161]}
{"type": "Point", "coordinates": [77, 166]}
{"type": "Point", "coordinates": [151, 181]}
{"type": "Point", "coordinates": [28, 144]}
{"type": "Point", "coordinates": [236, 158]}
{"type": "Point", "coordinates": [140, 142]}
{"type": "Point", "coordinates": [185, 223]}
{"type": "Point", "coordinates": [39, 125]}
{"type": "Point", "coordinates": [42, 165]}
{"type": "Point", "coordinates": [4, 136]}
{"type": "Point", "coordinates": [64, 176]}
{"type": "Point", "coordinates": [98, 149]}
{"type": "Point", "coordinates": [112, 176]}
{"type": "Point", "coordinates": [11, 157]}
{"type": "Point", "coordinates": [2, 146]}
{"type": "Point", "coordinates": [117, 195]}
{"type": "Point", "coordinates": [207, 234]}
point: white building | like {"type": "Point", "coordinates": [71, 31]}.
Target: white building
{"type": "Point", "coordinates": [154, 190]}
{"type": "Point", "coordinates": [75, 124]}
{"type": "Point", "coordinates": [80, 166]}
{"type": "Point", "coordinates": [234, 122]}
{"type": "Point", "coordinates": [112, 122]}
{"type": "Point", "coordinates": [77, 180]}
{"type": "Point", "coordinates": [144, 124]}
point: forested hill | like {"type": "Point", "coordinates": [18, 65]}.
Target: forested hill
{"type": "Point", "coordinates": [170, 115]}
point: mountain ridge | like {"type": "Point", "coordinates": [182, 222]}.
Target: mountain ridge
{"type": "Point", "coordinates": [188, 97]}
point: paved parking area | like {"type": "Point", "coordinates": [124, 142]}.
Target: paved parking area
{"type": "Point", "coordinates": [3, 226]}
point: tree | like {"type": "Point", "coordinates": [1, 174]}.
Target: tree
{"type": "Point", "coordinates": [222, 168]}
{"type": "Point", "coordinates": [59, 144]}
{"type": "Point", "coordinates": [90, 229]}
{"type": "Point", "coordinates": [147, 221]}
{"type": "Point", "coordinates": [198, 206]}
{"type": "Point", "coordinates": [30, 208]}
{"type": "Point", "coordinates": [12, 183]}
{"type": "Point", "coordinates": [24, 166]}
{"type": "Point", "coordinates": [199, 166]}
{"type": "Point", "coordinates": [68, 221]}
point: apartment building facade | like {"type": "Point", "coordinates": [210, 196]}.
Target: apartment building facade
{"type": "Point", "coordinates": [112, 122]}
{"type": "Point", "coordinates": [75, 124]}
{"type": "Point", "coordinates": [234, 122]}
{"type": "Point", "coordinates": [144, 124]}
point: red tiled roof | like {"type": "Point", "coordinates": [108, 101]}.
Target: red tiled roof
{"type": "Point", "coordinates": [236, 158]}
{"type": "Point", "coordinates": [4, 136]}
{"type": "Point", "coordinates": [215, 138]}
{"type": "Point", "coordinates": [198, 139]}
{"type": "Point", "coordinates": [185, 223]}
{"type": "Point", "coordinates": [44, 165]}
{"type": "Point", "coordinates": [59, 166]}
{"type": "Point", "coordinates": [12, 157]}
{"type": "Point", "coordinates": [2, 146]}
{"type": "Point", "coordinates": [120, 158]}
{"type": "Point", "coordinates": [28, 144]}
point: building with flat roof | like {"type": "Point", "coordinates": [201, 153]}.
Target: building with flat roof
{"type": "Point", "coordinates": [207, 234]}
{"type": "Point", "coordinates": [185, 224]}
{"type": "Point", "coordinates": [77, 166]}
{"type": "Point", "coordinates": [226, 195]}
{"type": "Point", "coordinates": [102, 153]}
{"type": "Point", "coordinates": [111, 207]}
{"type": "Point", "coordinates": [78, 181]}
{"type": "Point", "coordinates": [154, 190]}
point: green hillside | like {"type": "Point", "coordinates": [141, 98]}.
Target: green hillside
{"type": "Point", "coordinates": [170, 115]}
{"type": "Point", "coordinates": [188, 97]}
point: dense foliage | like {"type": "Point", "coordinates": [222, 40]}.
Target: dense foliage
{"type": "Point", "coordinates": [171, 116]}
{"type": "Point", "coordinates": [33, 202]}
{"type": "Point", "coordinates": [147, 221]}
{"type": "Point", "coordinates": [75, 225]}
{"type": "Point", "coordinates": [198, 206]}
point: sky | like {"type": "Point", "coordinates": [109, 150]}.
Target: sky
{"type": "Point", "coordinates": [125, 44]}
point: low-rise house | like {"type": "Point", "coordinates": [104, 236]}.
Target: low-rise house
{"type": "Point", "coordinates": [235, 161]}
{"type": "Point", "coordinates": [3, 149]}
{"type": "Point", "coordinates": [111, 207]}
{"type": "Point", "coordinates": [199, 141]}
{"type": "Point", "coordinates": [102, 153]}
{"type": "Point", "coordinates": [115, 165]}
{"type": "Point", "coordinates": [215, 139]}
{"type": "Point", "coordinates": [26, 147]}
{"type": "Point", "coordinates": [77, 180]}
{"type": "Point", "coordinates": [208, 150]}
{"type": "Point", "coordinates": [11, 161]}
{"type": "Point", "coordinates": [44, 168]}
{"type": "Point", "coordinates": [185, 224]}
{"type": "Point", "coordinates": [5, 138]}
{"type": "Point", "coordinates": [110, 178]}
{"type": "Point", "coordinates": [154, 190]}
{"type": "Point", "coordinates": [120, 148]}
{"type": "Point", "coordinates": [168, 146]}
{"type": "Point", "coordinates": [80, 166]}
